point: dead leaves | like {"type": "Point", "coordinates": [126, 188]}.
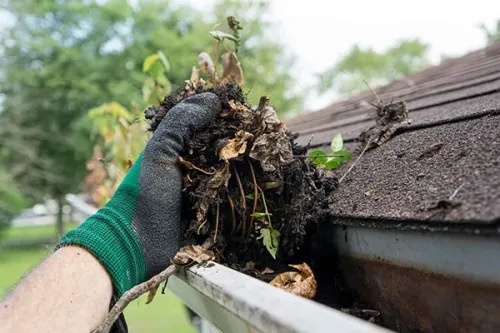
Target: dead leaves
{"type": "Point", "coordinates": [192, 253]}
{"type": "Point", "coordinates": [236, 146]}
{"type": "Point", "coordinates": [388, 117]}
{"type": "Point", "coordinates": [273, 147]}
{"type": "Point", "coordinates": [300, 283]}
{"type": "Point", "coordinates": [185, 256]}
{"type": "Point", "coordinates": [231, 68]}
{"type": "Point", "coordinates": [210, 191]}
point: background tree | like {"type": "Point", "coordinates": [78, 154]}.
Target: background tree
{"type": "Point", "coordinates": [377, 68]}
{"type": "Point", "coordinates": [492, 35]}
{"type": "Point", "coordinates": [61, 59]}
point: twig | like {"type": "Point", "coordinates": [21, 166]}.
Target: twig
{"type": "Point", "coordinates": [190, 165]}
{"type": "Point", "coordinates": [231, 204]}
{"type": "Point", "coordinates": [355, 162]}
{"type": "Point", "coordinates": [133, 294]}
{"type": "Point", "coordinates": [378, 98]}
{"type": "Point", "coordinates": [265, 207]}
{"type": "Point", "coordinates": [455, 192]}
{"type": "Point", "coordinates": [216, 221]}
{"type": "Point", "coordinates": [255, 197]}
{"type": "Point", "coordinates": [242, 192]}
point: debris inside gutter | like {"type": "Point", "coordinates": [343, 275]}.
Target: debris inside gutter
{"type": "Point", "coordinates": [251, 189]}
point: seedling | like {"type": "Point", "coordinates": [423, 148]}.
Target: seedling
{"type": "Point", "coordinates": [270, 236]}
{"type": "Point", "coordinates": [333, 159]}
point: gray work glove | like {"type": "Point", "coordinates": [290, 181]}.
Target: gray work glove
{"type": "Point", "coordinates": [138, 231]}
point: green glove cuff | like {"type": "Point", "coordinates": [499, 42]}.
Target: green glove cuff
{"type": "Point", "coordinates": [108, 235]}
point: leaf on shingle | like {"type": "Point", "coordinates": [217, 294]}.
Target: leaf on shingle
{"type": "Point", "coordinates": [317, 157]}
{"type": "Point", "coordinates": [332, 163]}
{"type": "Point", "coordinates": [337, 143]}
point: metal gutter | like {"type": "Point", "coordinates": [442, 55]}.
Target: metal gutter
{"type": "Point", "coordinates": [233, 302]}
{"type": "Point", "coordinates": [423, 281]}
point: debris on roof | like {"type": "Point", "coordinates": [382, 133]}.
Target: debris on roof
{"type": "Point", "coordinates": [443, 167]}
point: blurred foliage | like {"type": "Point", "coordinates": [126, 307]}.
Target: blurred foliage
{"type": "Point", "coordinates": [122, 132]}
{"type": "Point", "coordinates": [63, 58]}
{"type": "Point", "coordinates": [492, 35]}
{"type": "Point", "coordinates": [376, 68]}
{"type": "Point", "coordinates": [11, 199]}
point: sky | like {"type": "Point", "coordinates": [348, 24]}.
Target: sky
{"type": "Point", "coordinates": [319, 32]}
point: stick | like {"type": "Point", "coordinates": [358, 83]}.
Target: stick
{"type": "Point", "coordinates": [455, 192]}
{"type": "Point", "coordinates": [352, 166]}
{"type": "Point", "coordinates": [133, 294]}
{"type": "Point", "coordinates": [243, 200]}
{"type": "Point", "coordinates": [216, 221]}
{"type": "Point", "coordinates": [255, 197]}
{"type": "Point", "coordinates": [231, 204]}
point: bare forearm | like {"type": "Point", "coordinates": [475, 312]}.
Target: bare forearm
{"type": "Point", "coordinates": [68, 292]}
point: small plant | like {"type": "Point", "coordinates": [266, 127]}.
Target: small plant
{"type": "Point", "coordinates": [333, 159]}
{"type": "Point", "coordinates": [123, 131]}
{"type": "Point", "coordinates": [270, 236]}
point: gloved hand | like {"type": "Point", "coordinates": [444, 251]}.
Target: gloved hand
{"type": "Point", "coordinates": [138, 231]}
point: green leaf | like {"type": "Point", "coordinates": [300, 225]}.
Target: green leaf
{"type": "Point", "coordinates": [332, 163]}
{"type": "Point", "coordinates": [270, 239]}
{"type": "Point", "coordinates": [123, 126]}
{"type": "Point", "coordinates": [156, 69]}
{"type": "Point", "coordinates": [147, 89]}
{"type": "Point", "coordinates": [317, 157]}
{"type": "Point", "coordinates": [164, 61]}
{"type": "Point", "coordinates": [251, 196]}
{"type": "Point", "coordinates": [337, 143]}
{"type": "Point", "coordinates": [220, 35]}
{"type": "Point", "coordinates": [149, 62]}
{"type": "Point", "coordinates": [343, 155]}
{"type": "Point", "coordinates": [259, 214]}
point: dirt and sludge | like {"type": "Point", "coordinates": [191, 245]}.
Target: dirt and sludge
{"type": "Point", "coordinates": [248, 185]}
{"type": "Point", "coordinates": [250, 188]}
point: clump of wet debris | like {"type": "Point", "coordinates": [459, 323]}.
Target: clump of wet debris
{"type": "Point", "coordinates": [247, 184]}
{"type": "Point", "coordinates": [388, 116]}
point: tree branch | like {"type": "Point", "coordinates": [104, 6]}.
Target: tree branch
{"type": "Point", "coordinates": [133, 294]}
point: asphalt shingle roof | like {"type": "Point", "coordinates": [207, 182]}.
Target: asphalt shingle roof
{"type": "Point", "coordinates": [452, 143]}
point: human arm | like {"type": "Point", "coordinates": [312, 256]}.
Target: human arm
{"type": "Point", "coordinates": [68, 292]}
{"type": "Point", "coordinates": [139, 230]}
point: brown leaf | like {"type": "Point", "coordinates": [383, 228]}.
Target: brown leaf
{"type": "Point", "coordinates": [267, 270]}
{"type": "Point", "coordinates": [232, 68]}
{"type": "Point", "coordinates": [195, 74]}
{"type": "Point", "coordinates": [190, 253]}
{"type": "Point", "coordinates": [272, 148]}
{"type": "Point", "coordinates": [211, 190]}
{"type": "Point", "coordinates": [300, 283]}
{"type": "Point", "coordinates": [151, 294]}
{"type": "Point", "coordinates": [236, 146]}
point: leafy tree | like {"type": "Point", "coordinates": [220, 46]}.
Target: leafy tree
{"type": "Point", "coordinates": [492, 35]}
{"type": "Point", "coordinates": [11, 199]}
{"type": "Point", "coordinates": [62, 58]}
{"type": "Point", "coordinates": [376, 68]}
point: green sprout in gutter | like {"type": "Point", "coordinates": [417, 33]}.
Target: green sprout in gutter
{"type": "Point", "coordinates": [335, 158]}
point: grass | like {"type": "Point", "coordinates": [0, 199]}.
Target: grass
{"type": "Point", "coordinates": [43, 231]}
{"type": "Point", "coordinates": [165, 314]}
